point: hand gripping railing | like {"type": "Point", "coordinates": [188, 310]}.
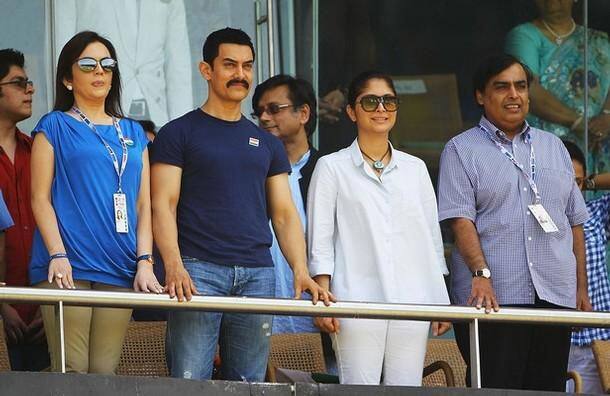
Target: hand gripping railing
{"type": "Point", "coordinates": [345, 309]}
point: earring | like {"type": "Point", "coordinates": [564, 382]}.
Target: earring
{"type": "Point", "coordinates": [69, 87]}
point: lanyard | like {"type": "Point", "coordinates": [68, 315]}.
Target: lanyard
{"type": "Point", "coordinates": [115, 161]}
{"type": "Point", "coordinates": [529, 177]}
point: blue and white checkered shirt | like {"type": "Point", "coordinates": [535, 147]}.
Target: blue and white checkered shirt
{"type": "Point", "coordinates": [596, 238]}
{"type": "Point", "coordinates": [478, 182]}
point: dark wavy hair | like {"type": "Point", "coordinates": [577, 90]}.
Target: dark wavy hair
{"type": "Point", "coordinates": [360, 82]}
{"type": "Point", "coordinates": [224, 36]}
{"type": "Point", "coordinates": [300, 92]}
{"type": "Point", "coordinates": [64, 99]}
{"type": "Point", "coordinates": [491, 67]}
{"type": "Point", "coordinates": [10, 57]}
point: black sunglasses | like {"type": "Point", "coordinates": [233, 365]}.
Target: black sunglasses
{"type": "Point", "coordinates": [271, 109]}
{"type": "Point", "coordinates": [20, 82]}
{"type": "Point", "coordinates": [88, 64]}
{"type": "Point", "coordinates": [370, 103]}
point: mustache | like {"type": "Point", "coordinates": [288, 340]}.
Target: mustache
{"type": "Point", "coordinates": [237, 81]}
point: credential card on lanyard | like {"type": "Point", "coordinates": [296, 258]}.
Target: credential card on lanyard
{"type": "Point", "coordinates": [120, 212]}
{"type": "Point", "coordinates": [543, 218]}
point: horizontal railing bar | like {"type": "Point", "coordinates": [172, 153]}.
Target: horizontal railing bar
{"type": "Point", "coordinates": [347, 309]}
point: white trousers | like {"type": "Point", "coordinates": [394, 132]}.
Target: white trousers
{"type": "Point", "coordinates": [583, 361]}
{"type": "Point", "coordinates": [365, 347]}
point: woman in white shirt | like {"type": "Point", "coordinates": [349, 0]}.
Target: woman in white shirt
{"type": "Point", "coordinates": [374, 236]}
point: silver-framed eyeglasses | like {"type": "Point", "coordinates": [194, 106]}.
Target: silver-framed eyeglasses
{"type": "Point", "coordinates": [22, 83]}
{"type": "Point", "coordinates": [271, 109]}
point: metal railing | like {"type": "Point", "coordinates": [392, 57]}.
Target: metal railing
{"type": "Point", "coordinates": [345, 309]}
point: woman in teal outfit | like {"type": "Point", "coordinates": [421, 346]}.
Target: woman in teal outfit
{"type": "Point", "coordinates": [553, 47]}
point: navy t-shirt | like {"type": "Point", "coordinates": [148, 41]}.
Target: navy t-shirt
{"type": "Point", "coordinates": [222, 211]}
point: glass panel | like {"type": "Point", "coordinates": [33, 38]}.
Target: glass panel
{"type": "Point", "coordinates": [432, 50]}
{"type": "Point", "coordinates": [598, 106]}
{"type": "Point", "coordinates": [158, 44]}
{"type": "Point", "coordinates": [25, 31]}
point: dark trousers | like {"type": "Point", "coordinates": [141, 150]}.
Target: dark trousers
{"type": "Point", "coordinates": [29, 357]}
{"type": "Point", "coordinates": [516, 356]}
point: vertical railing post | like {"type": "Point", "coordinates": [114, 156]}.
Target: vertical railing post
{"type": "Point", "coordinates": [60, 344]}
{"type": "Point", "coordinates": [475, 357]}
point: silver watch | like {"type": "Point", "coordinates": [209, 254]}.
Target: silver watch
{"type": "Point", "coordinates": [483, 273]}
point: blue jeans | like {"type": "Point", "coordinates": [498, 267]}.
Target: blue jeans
{"type": "Point", "coordinates": [192, 336]}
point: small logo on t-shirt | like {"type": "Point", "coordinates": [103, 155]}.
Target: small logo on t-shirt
{"type": "Point", "coordinates": [253, 142]}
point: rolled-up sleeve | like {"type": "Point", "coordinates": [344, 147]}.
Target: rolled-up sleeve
{"type": "Point", "coordinates": [456, 197]}
{"type": "Point", "coordinates": [321, 209]}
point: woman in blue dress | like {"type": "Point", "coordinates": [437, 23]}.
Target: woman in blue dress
{"type": "Point", "coordinates": [91, 202]}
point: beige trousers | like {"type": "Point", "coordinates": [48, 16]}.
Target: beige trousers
{"type": "Point", "coordinates": [93, 336]}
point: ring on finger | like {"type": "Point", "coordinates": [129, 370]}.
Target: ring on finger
{"type": "Point", "coordinates": [59, 275]}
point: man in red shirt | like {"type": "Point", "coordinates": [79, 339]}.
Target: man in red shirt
{"type": "Point", "coordinates": [22, 323]}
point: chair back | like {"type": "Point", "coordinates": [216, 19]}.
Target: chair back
{"type": "Point", "coordinates": [144, 350]}
{"type": "Point", "coordinates": [444, 350]}
{"type": "Point", "coordinates": [5, 363]}
{"type": "Point", "coordinates": [300, 351]}
{"type": "Point", "coordinates": [601, 351]}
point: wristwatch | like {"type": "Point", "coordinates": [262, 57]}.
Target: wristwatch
{"type": "Point", "coordinates": [482, 273]}
{"type": "Point", "coordinates": [145, 257]}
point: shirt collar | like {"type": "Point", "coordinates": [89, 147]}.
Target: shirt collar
{"type": "Point", "coordinates": [23, 139]}
{"type": "Point", "coordinates": [497, 134]}
{"type": "Point", "coordinates": [301, 161]}
{"type": "Point", "coordinates": [358, 158]}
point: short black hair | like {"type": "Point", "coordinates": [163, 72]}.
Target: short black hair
{"type": "Point", "coordinates": [148, 126]}
{"type": "Point", "coordinates": [10, 57]}
{"type": "Point", "coordinates": [300, 92]}
{"type": "Point", "coordinates": [224, 36]}
{"type": "Point", "coordinates": [64, 99]}
{"type": "Point", "coordinates": [359, 83]}
{"type": "Point", "coordinates": [491, 67]}
{"type": "Point", "coordinates": [576, 153]}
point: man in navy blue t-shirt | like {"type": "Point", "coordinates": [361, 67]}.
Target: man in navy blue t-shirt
{"type": "Point", "coordinates": [216, 180]}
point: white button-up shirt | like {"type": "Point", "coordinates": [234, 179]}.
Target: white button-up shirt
{"type": "Point", "coordinates": [378, 237]}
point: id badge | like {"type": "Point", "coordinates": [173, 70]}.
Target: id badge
{"type": "Point", "coordinates": [120, 212]}
{"type": "Point", "coordinates": [543, 218]}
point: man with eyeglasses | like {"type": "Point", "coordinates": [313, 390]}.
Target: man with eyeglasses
{"type": "Point", "coordinates": [22, 323]}
{"type": "Point", "coordinates": [217, 179]}
{"type": "Point", "coordinates": [508, 191]}
{"type": "Point", "coordinates": [286, 107]}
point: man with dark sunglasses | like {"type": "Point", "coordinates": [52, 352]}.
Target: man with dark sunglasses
{"type": "Point", "coordinates": [286, 107]}
{"type": "Point", "coordinates": [217, 179]}
{"type": "Point", "coordinates": [22, 323]}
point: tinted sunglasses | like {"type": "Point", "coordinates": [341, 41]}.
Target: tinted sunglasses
{"type": "Point", "coordinates": [20, 82]}
{"type": "Point", "coordinates": [89, 64]}
{"type": "Point", "coordinates": [271, 109]}
{"type": "Point", "coordinates": [370, 103]}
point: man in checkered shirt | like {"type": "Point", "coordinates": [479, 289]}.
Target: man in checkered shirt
{"type": "Point", "coordinates": [596, 229]}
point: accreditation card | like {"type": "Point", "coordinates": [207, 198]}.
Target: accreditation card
{"type": "Point", "coordinates": [120, 212]}
{"type": "Point", "coordinates": [543, 218]}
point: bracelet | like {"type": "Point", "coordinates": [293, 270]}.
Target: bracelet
{"type": "Point", "coordinates": [576, 123]}
{"type": "Point", "coordinates": [57, 255]}
{"type": "Point", "coordinates": [145, 257]}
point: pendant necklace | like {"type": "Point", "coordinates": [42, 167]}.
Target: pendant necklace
{"type": "Point", "coordinates": [559, 37]}
{"type": "Point", "coordinates": [378, 165]}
